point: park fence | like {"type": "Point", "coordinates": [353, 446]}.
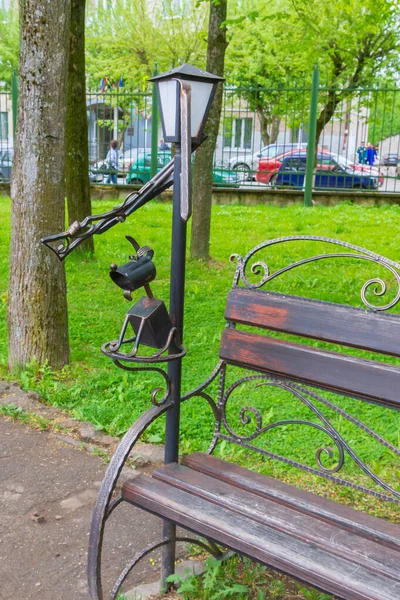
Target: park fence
{"type": "Point", "coordinates": [358, 131]}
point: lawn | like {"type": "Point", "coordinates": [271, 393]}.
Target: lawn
{"type": "Point", "coordinates": [93, 389]}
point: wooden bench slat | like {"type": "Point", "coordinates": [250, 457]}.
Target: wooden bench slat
{"type": "Point", "coordinates": [295, 557]}
{"type": "Point", "coordinates": [315, 319]}
{"type": "Point", "coordinates": [326, 510]}
{"type": "Point", "coordinates": [328, 536]}
{"type": "Point", "coordinates": [370, 380]}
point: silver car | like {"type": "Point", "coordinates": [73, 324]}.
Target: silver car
{"type": "Point", "coordinates": [6, 158]}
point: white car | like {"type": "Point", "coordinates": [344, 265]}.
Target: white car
{"type": "Point", "coordinates": [246, 165]}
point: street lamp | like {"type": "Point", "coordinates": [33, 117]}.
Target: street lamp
{"type": "Point", "coordinates": [185, 95]}
{"type": "Point", "coordinates": [203, 86]}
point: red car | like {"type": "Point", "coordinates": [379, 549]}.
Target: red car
{"type": "Point", "coordinates": [268, 167]}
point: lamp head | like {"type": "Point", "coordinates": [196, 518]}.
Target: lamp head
{"type": "Point", "coordinates": [203, 86]}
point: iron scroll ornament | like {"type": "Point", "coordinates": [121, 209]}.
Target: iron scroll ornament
{"type": "Point", "coordinates": [261, 268]}
{"type": "Point", "coordinates": [251, 417]}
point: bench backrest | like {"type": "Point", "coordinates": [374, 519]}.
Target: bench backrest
{"type": "Point", "coordinates": [295, 364]}
{"type": "Point", "coordinates": [367, 379]}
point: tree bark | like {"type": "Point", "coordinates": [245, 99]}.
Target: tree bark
{"type": "Point", "coordinates": [77, 155]}
{"type": "Point", "coordinates": [37, 304]}
{"type": "Point", "coordinates": [264, 129]}
{"type": "Point", "coordinates": [269, 127]}
{"type": "Point", "coordinates": [203, 164]}
{"type": "Point", "coordinates": [275, 124]}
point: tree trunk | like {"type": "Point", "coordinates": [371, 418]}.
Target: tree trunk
{"type": "Point", "coordinates": [263, 125]}
{"type": "Point", "coordinates": [276, 121]}
{"type": "Point", "coordinates": [77, 155]}
{"type": "Point", "coordinates": [269, 127]}
{"type": "Point", "coordinates": [203, 164]}
{"type": "Point", "coordinates": [37, 304]}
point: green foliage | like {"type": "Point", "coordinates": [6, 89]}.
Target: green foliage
{"type": "Point", "coordinates": [353, 41]}
{"type": "Point", "coordinates": [384, 114]}
{"type": "Point", "coordinates": [239, 578]}
{"type": "Point", "coordinates": [127, 39]}
{"type": "Point", "coordinates": [9, 43]}
{"type": "Point", "coordinates": [16, 413]}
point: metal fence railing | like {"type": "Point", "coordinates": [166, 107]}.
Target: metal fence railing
{"type": "Point", "coordinates": [263, 136]}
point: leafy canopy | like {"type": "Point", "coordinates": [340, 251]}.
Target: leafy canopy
{"type": "Point", "coordinates": [128, 40]}
{"type": "Point", "coordinates": [9, 43]}
{"type": "Point", "coordinates": [352, 40]}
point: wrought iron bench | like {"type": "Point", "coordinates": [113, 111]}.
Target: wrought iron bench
{"type": "Point", "coordinates": [334, 547]}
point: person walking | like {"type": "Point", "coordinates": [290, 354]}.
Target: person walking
{"type": "Point", "coordinates": [163, 146]}
{"type": "Point", "coordinates": [371, 154]}
{"type": "Point", "coordinates": [112, 163]}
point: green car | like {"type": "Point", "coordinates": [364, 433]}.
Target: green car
{"type": "Point", "coordinates": [139, 170]}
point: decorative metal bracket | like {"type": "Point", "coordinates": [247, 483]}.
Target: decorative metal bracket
{"type": "Point", "coordinates": [64, 243]}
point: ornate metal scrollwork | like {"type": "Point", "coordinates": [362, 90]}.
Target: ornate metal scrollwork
{"type": "Point", "coordinates": [215, 407]}
{"type": "Point", "coordinates": [156, 390]}
{"type": "Point", "coordinates": [261, 268]}
{"type": "Point", "coordinates": [251, 416]}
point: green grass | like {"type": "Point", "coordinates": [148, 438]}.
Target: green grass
{"type": "Point", "coordinates": [16, 413]}
{"type": "Point", "coordinates": [93, 389]}
{"type": "Point", "coordinates": [241, 579]}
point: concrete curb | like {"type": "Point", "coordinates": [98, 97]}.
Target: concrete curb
{"type": "Point", "coordinates": [77, 433]}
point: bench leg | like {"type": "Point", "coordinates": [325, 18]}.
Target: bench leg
{"type": "Point", "coordinates": [210, 547]}
{"type": "Point", "coordinates": [168, 554]}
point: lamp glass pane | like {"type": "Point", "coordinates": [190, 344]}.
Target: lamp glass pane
{"type": "Point", "coordinates": [168, 95]}
{"type": "Point", "coordinates": [201, 92]}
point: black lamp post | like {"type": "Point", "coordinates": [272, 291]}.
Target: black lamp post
{"type": "Point", "coordinates": [185, 95]}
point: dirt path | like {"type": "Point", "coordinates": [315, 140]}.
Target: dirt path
{"type": "Point", "coordinates": [46, 560]}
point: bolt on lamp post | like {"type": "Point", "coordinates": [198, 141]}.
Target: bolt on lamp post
{"type": "Point", "coordinates": [185, 95]}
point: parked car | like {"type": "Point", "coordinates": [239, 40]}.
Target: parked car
{"type": "Point", "coordinates": [268, 168]}
{"type": "Point", "coordinates": [96, 177]}
{"type": "Point", "coordinates": [390, 160]}
{"type": "Point", "coordinates": [128, 157]}
{"type": "Point", "coordinates": [329, 174]}
{"type": "Point", "coordinates": [125, 159]}
{"type": "Point", "coordinates": [373, 171]}
{"type": "Point", "coordinates": [247, 165]}
{"type": "Point", "coordinates": [139, 170]}
{"type": "Point", "coordinates": [6, 158]}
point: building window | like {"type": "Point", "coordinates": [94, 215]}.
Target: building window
{"type": "Point", "coordinates": [3, 125]}
{"type": "Point", "coordinates": [238, 133]}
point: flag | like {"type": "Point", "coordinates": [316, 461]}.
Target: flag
{"type": "Point", "coordinates": [121, 82]}
{"type": "Point", "coordinates": [103, 84]}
